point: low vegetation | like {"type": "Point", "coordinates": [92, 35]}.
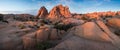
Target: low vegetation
{"type": "Point", "coordinates": [1, 17]}
{"type": "Point", "coordinates": [63, 27]}
{"type": "Point", "coordinates": [21, 26]}
{"type": "Point", "coordinates": [44, 45]}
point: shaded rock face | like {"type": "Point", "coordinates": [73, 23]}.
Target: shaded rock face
{"type": "Point", "coordinates": [29, 41]}
{"type": "Point", "coordinates": [89, 36]}
{"type": "Point", "coordinates": [77, 43]}
{"type": "Point", "coordinates": [59, 12]}
{"type": "Point", "coordinates": [42, 12]}
{"type": "Point", "coordinates": [114, 24]}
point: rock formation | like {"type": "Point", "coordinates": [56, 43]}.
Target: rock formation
{"type": "Point", "coordinates": [43, 34]}
{"type": "Point", "coordinates": [42, 13]}
{"type": "Point", "coordinates": [89, 36]}
{"type": "Point", "coordinates": [114, 22]}
{"type": "Point", "coordinates": [59, 12]}
{"type": "Point", "coordinates": [62, 29]}
{"type": "Point", "coordinates": [77, 43]}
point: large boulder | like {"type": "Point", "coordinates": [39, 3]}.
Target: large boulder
{"type": "Point", "coordinates": [91, 31]}
{"type": "Point", "coordinates": [54, 34]}
{"type": "Point", "coordinates": [29, 41]}
{"type": "Point", "coordinates": [42, 34]}
{"type": "Point", "coordinates": [77, 43]}
{"type": "Point", "coordinates": [114, 38]}
{"type": "Point", "coordinates": [114, 22]}
{"type": "Point", "coordinates": [47, 33]}
{"type": "Point", "coordinates": [97, 31]}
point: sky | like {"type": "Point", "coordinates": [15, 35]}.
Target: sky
{"type": "Point", "coordinates": [75, 6]}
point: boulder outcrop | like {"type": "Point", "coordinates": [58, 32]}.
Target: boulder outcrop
{"type": "Point", "coordinates": [77, 43]}
{"type": "Point", "coordinates": [59, 12]}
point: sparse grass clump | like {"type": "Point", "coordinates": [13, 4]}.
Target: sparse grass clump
{"type": "Point", "coordinates": [21, 26]}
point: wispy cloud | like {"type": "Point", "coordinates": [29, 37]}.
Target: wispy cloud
{"type": "Point", "coordinates": [33, 12]}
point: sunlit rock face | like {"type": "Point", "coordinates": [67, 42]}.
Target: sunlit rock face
{"type": "Point", "coordinates": [59, 12]}
{"type": "Point", "coordinates": [97, 31]}
{"type": "Point", "coordinates": [114, 22]}
{"type": "Point", "coordinates": [91, 31]}
{"type": "Point", "coordinates": [89, 36]}
{"type": "Point", "coordinates": [42, 13]}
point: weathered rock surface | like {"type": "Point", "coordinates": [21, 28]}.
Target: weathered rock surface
{"type": "Point", "coordinates": [114, 38]}
{"type": "Point", "coordinates": [96, 31]}
{"type": "Point", "coordinates": [91, 31]}
{"type": "Point", "coordinates": [43, 34]}
{"type": "Point", "coordinates": [77, 43]}
{"type": "Point", "coordinates": [29, 41]}
{"type": "Point", "coordinates": [59, 12]}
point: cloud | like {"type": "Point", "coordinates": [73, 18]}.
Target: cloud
{"type": "Point", "coordinates": [33, 12]}
{"type": "Point", "coordinates": [10, 12]}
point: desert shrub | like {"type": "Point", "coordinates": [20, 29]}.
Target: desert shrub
{"type": "Point", "coordinates": [21, 26]}
{"type": "Point", "coordinates": [84, 18]}
{"type": "Point", "coordinates": [45, 21]}
{"type": "Point", "coordinates": [63, 27]}
{"type": "Point", "coordinates": [117, 32]}
{"type": "Point", "coordinates": [44, 45]}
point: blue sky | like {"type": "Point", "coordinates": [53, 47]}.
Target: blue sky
{"type": "Point", "coordinates": [75, 6]}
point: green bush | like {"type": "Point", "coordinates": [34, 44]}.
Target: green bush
{"type": "Point", "coordinates": [21, 26]}
{"type": "Point", "coordinates": [84, 18]}
{"type": "Point", "coordinates": [63, 27]}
